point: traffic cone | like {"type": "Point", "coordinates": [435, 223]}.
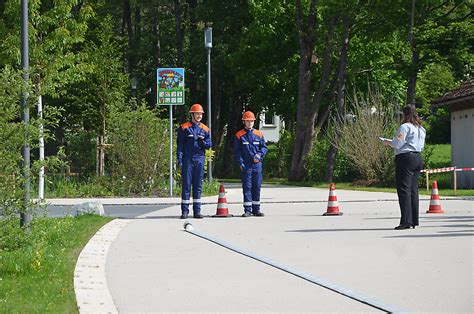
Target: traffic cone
{"type": "Point", "coordinates": [333, 207]}
{"type": "Point", "coordinates": [222, 209]}
{"type": "Point", "coordinates": [435, 206]}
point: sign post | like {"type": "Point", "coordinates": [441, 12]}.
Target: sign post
{"type": "Point", "coordinates": [170, 91]}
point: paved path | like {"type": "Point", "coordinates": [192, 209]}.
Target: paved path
{"type": "Point", "coordinates": [155, 266]}
{"type": "Point", "coordinates": [111, 210]}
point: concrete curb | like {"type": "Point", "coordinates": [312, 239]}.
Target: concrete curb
{"type": "Point", "coordinates": [90, 283]}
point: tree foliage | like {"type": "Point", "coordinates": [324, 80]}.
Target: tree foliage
{"type": "Point", "coordinates": [296, 59]}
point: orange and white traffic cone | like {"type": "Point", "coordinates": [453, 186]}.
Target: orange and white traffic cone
{"type": "Point", "coordinates": [333, 206]}
{"type": "Point", "coordinates": [222, 209]}
{"type": "Point", "coordinates": [435, 206]}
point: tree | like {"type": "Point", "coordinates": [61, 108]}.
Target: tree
{"type": "Point", "coordinates": [102, 89]}
{"type": "Point", "coordinates": [307, 105]}
{"type": "Point", "coordinates": [436, 31]}
{"type": "Point", "coordinates": [54, 31]}
{"type": "Point", "coordinates": [341, 94]}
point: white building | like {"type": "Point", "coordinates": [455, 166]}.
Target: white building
{"type": "Point", "coordinates": [270, 125]}
{"type": "Point", "coordinates": [460, 102]}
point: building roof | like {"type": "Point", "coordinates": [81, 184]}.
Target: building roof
{"type": "Point", "coordinates": [459, 98]}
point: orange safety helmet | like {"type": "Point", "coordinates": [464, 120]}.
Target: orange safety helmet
{"type": "Point", "coordinates": [196, 108]}
{"type": "Point", "coordinates": [248, 116]}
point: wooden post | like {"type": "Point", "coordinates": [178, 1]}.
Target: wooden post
{"type": "Point", "coordinates": [102, 156]}
{"type": "Point", "coordinates": [455, 180]}
{"type": "Point", "coordinates": [427, 181]}
{"type": "Point", "coordinates": [97, 158]}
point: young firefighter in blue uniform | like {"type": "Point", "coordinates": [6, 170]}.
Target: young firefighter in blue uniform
{"type": "Point", "coordinates": [249, 150]}
{"type": "Point", "coordinates": [193, 140]}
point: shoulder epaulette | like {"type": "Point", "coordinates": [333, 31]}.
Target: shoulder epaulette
{"type": "Point", "coordinates": [204, 127]}
{"type": "Point", "coordinates": [240, 133]}
{"type": "Point", "coordinates": [258, 133]}
{"type": "Point", "coordinates": [186, 125]}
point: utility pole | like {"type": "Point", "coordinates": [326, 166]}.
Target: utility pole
{"type": "Point", "coordinates": [25, 215]}
{"type": "Point", "coordinates": [208, 46]}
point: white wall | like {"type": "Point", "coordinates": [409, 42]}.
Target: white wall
{"type": "Point", "coordinates": [462, 145]}
{"type": "Point", "coordinates": [271, 132]}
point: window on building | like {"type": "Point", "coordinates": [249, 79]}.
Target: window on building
{"type": "Point", "coordinates": [269, 118]}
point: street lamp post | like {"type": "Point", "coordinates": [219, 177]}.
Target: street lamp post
{"type": "Point", "coordinates": [208, 46]}
{"type": "Point", "coordinates": [25, 216]}
{"type": "Point", "coordinates": [134, 84]}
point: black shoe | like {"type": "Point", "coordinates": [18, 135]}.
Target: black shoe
{"type": "Point", "coordinates": [246, 214]}
{"type": "Point", "coordinates": [184, 216]}
{"type": "Point", "coordinates": [258, 214]}
{"type": "Point", "coordinates": [413, 226]}
{"type": "Point", "coordinates": [401, 227]}
{"type": "Point", "coordinates": [198, 216]}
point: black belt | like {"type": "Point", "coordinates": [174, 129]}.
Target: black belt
{"type": "Point", "coordinates": [408, 153]}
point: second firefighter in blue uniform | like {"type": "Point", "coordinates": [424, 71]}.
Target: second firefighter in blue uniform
{"type": "Point", "coordinates": [193, 140]}
{"type": "Point", "coordinates": [249, 150]}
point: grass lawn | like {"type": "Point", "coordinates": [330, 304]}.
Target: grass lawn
{"type": "Point", "coordinates": [441, 156]}
{"type": "Point", "coordinates": [37, 271]}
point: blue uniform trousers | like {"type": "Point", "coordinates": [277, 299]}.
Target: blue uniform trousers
{"type": "Point", "coordinates": [192, 173]}
{"type": "Point", "coordinates": [251, 183]}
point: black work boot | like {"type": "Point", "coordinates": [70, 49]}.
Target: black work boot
{"type": "Point", "coordinates": [259, 214]}
{"type": "Point", "coordinates": [246, 214]}
{"type": "Point", "coordinates": [198, 216]}
{"type": "Point", "coordinates": [184, 216]}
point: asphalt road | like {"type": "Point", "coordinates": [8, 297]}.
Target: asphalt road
{"type": "Point", "coordinates": [118, 211]}
{"type": "Point", "coordinates": [153, 265]}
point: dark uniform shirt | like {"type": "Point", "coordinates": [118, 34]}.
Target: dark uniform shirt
{"type": "Point", "coordinates": [189, 144]}
{"type": "Point", "coordinates": [249, 145]}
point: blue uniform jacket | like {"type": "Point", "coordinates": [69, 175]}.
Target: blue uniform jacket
{"type": "Point", "coordinates": [249, 145]}
{"type": "Point", "coordinates": [190, 147]}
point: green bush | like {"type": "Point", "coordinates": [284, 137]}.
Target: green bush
{"type": "Point", "coordinates": [13, 134]}
{"type": "Point", "coordinates": [359, 140]}
{"type": "Point", "coordinates": [277, 162]}
{"type": "Point", "coordinates": [138, 158]}
{"type": "Point", "coordinates": [208, 188]}
{"type": "Point", "coordinates": [316, 163]}
{"type": "Point", "coordinates": [81, 150]}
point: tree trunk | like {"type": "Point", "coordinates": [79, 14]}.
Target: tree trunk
{"type": "Point", "coordinates": [179, 32]}
{"type": "Point", "coordinates": [304, 122]}
{"type": "Point", "coordinates": [415, 56]}
{"type": "Point", "coordinates": [217, 127]}
{"type": "Point", "coordinates": [137, 28]}
{"type": "Point", "coordinates": [193, 32]}
{"type": "Point", "coordinates": [127, 27]}
{"type": "Point", "coordinates": [307, 112]}
{"type": "Point", "coordinates": [340, 98]}
{"type": "Point", "coordinates": [156, 31]}
{"type": "Point", "coordinates": [412, 76]}
{"type": "Point", "coordinates": [233, 126]}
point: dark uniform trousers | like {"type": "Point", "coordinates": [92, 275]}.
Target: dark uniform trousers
{"type": "Point", "coordinates": [407, 172]}
{"type": "Point", "coordinates": [251, 182]}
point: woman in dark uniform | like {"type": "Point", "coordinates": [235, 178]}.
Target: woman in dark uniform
{"type": "Point", "coordinates": [408, 143]}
